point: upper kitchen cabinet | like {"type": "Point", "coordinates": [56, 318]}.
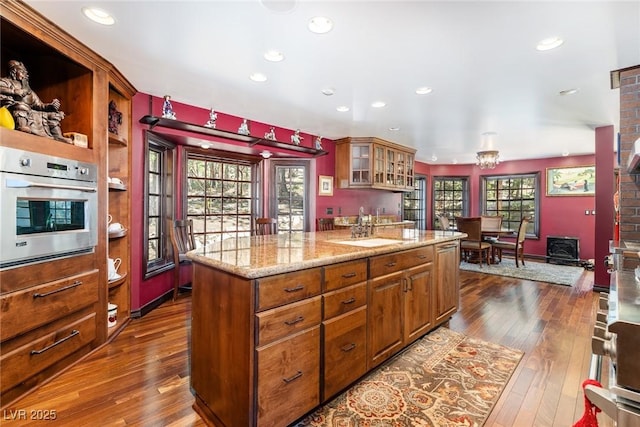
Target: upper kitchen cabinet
{"type": "Point", "coordinates": [374, 163]}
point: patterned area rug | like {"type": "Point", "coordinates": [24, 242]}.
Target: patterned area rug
{"type": "Point", "coordinates": [536, 271]}
{"type": "Point", "coordinates": [444, 379]}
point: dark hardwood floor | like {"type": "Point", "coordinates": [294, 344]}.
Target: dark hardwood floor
{"type": "Point", "coordinates": [142, 377]}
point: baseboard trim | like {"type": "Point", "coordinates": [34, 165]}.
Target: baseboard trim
{"type": "Point", "coordinates": [151, 305]}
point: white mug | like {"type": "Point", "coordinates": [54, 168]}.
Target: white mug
{"type": "Point", "coordinates": [112, 315]}
{"type": "Point", "coordinates": [112, 268]}
{"type": "Point", "coordinates": [115, 226]}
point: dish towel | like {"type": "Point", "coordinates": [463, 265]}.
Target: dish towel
{"type": "Point", "coordinates": [589, 418]}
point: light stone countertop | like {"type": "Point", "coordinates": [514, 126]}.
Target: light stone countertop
{"type": "Point", "coordinates": [260, 256]}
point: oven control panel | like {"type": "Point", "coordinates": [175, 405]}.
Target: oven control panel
{"type": "Point", "coordinates": [29, 163]}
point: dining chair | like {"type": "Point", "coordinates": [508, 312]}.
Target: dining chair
{"type": "Point", "coordinates": [473, 243]}
{"type": "Point", "coordinates": [517, 247]}
{"type": "Point", "coordinates": [324, 224]}
{"type": "Point", "coordinates": [182, 241]}
{"type": "Point", "coordinates": [265, 226]}
{"type": "Point", "coordinates": [443, 221]}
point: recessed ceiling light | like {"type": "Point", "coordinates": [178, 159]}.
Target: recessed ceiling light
{"type": "Point", "coordinates": [565, 153]}
{"type": "Point", "coordinates": [265, 154]}
{"type": "Point", "coordinates": [434, 158]}
{"type": "Point", "coordinates": [423, 90]}
{"type": "Point", "coordinates": [320, 25]}
{"type": "Point", "coordinates": [273, 55]}
{"type": "Point", "coordinates": [569, 91]}
{"type": "Point", "coordinates": [549, 43]}
{"type": "Point", "coordinates": [378, 104]}
{"type": "Point", "coordinates": [205, 145]}
{"type": "Point", "coordinates": [394, 128]}
{"type": "Point", "coordinates": [98, 15]}
{"type": "Point", "coordinates": [328, 91]}
{"type": "Point", "coordinates": [342, 108]}
{"type": "Point", "coordinates": [258, 77]}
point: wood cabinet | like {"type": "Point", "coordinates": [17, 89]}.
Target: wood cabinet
{"type": "Point", "coordinates": [119, 200]}
{"type": "Point", "coordinates": [54, 312]}
{"type": "Point", "coordinates": [267, 351]}
{"type": "Point", "coordinates": [374, 163]}
{"type": "Point", "coordinates": [446, 291]}
{"type": "Point", "coordinates": [344, 326]}
{"type": "Point", "coordinates": [399, 301]}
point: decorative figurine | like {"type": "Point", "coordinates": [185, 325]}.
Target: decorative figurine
{"type": "Point", "coordinates": [30, 114]}
{"type": "Point", "coordinates": [213, 116]}
{"type": "Point", "coordinates": [244, 128]}
{"type": "Point", "coordinates": [270, 135]}
{"type": "Point", "coordinates": [167, 109]}
{"type": "Point", "coordinates": [115, 118]}
{"type": "Point", "coordinates": [296, 138]}
{"type": "Point", "coordinates": [318, 143]}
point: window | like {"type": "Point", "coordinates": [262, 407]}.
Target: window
{"type": "Point", "coordinates": [450, 198]}
{"type": "Point", "coordinates": [512, 197]}
{"type": "Point", "coordinates": [220, 197]}
{"type": "Point", "coordinates": [414, 204]}
{"type": "Point", "coordinates": [289, 195]}
{"type": "Point", "coordinates": [158, 190]}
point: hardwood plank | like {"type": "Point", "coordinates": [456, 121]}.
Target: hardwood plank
{"type": "Point", "coordinates": [142, 377]}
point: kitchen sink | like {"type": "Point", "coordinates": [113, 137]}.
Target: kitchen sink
{"type": "Point", "coordinates": [368, 243]}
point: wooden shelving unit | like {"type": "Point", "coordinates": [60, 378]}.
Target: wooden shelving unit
{"type": "Point", "coordinates": [154, 121]}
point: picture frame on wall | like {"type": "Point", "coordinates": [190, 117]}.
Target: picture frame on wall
{"type": "Point", "coordinates": [571, 181]}
{"type": "Point", "coordinates": [325, 185]}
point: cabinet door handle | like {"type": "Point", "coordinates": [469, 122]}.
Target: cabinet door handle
{"type": "Point", "coordinates": [422, 256]}
{"type": "Point", "coordinates": [296, 289]}
{"type": "Point", "coordinates": [60, 341]}
{"type": "Point", "coordinates": [409, 284]}
{"type": "Point", "coordinates": [390, 264]}
{"type": "Point", "coordinates": [348, 347]}
{"type": "Point", "coordinates": [349, 275]}
{"type": "Point", "coordinates": [71, 286]}
{"type": "Point", "coordinates": [294, 321]}
{"type": "Point", "coordinates": [448, 246]}
{"type": "Point", "coordinates": [295, 377]}
{"type": "Point", "coordinates": [349, 301]}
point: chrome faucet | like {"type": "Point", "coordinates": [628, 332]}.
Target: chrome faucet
{"type": "Point", "coordinates": [361, 229]}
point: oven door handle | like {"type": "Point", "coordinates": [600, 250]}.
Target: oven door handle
{"type": "Point", "coordinates": [603, 399]}
{"type": "Point", "coordinates": [19, 183]}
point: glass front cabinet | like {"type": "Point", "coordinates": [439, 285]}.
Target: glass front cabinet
{"type": "Point", "coordinates": [374, 163]}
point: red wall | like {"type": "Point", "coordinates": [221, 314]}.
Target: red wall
{"type": "Point", "coordinates": [559, 215]}
{"type": "Point", "coordinates": [564, 216]}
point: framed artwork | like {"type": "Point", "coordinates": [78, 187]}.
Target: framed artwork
{"type": "Point", "coordinates": [571, 181]}
{"type": "Point", "coordinates": [325, 185]}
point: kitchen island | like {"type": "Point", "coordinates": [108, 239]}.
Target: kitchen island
{"type": "Point", "coordinates": [283, 323]}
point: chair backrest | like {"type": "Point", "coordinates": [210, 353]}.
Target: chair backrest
{"type": "Point", "coordinates": [444, 222]}
{"type": "Point", "coordinates": [522, 229]}
{"type": "Point", "coordinates": [472, 226]}
{"type": "Point", "coordinates": [181, 236]}
{"type": "Point", "coordinates": [491, 223]}
{"type": "Point", "coordinates": [325, 224]}
{"type": "Point", "coordinates": [266, 226]}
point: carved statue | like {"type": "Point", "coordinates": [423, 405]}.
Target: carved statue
{"type": "Point", "coordinates": [296, 138]}
{"type": "Point", "coordinates": [167, 108]}
{"type": "Point", "coordinates": [30, 114]}
{"type": "Point", "coordinates": [115, 118]}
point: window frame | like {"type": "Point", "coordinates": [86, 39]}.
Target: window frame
{"type": "Point", "coordinates": [535, 221]}
{"type": "Point", "coordinates": [222, 157]}
{"type": "Point", "coordinates": [419, 194]}
{"type": "Point", "coordinates": [465, 198]}
{"type": "Point", "coordinates": [273, 208]}
{"type": "Point", "coordinates": [167, 185]}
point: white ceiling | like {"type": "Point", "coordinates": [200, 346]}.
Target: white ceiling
{"type": "Point", "coordinates": [479, 57]}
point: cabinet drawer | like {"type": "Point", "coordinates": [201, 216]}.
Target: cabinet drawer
{"type": "Point", "coordinates": [390, 263]}
{"type": "Point", "coordinates": [26, 361]}
{"type": "Point", "coordinates": [344, 274]}
{"type": "Point", "coordinates": [288, 378]}
{"type": "Point", "coordinates": [345, 351]}
{"type": "Point", "coordinates": [29, 308]}
{"type": "Point", "coordinates": [344, 300]}
{"type": "Point", "coordinates": [285, 288]}
{"type": "Point", "coordinates": [281, 321]}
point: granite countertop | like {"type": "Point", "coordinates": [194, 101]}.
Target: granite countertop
{"type": "Point", "coordinates": [260, 256]}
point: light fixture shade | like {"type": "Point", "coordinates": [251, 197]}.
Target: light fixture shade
{"type": "Point", "coordinates": [487, 159]}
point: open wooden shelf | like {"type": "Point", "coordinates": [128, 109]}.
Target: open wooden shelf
{"type": "Point", "coordinates": [154, 121]}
